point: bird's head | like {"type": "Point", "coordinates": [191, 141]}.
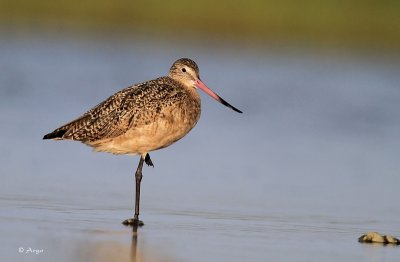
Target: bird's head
{"type": "Point", "coordinates": [186, 72]}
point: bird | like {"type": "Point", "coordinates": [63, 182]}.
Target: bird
{"type": "Point", "coordinates": [142, 118]}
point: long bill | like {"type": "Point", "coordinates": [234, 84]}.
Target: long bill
{"type": "Point", "coordinates": [211, 93]}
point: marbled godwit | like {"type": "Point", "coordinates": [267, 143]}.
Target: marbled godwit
{"type": "Point", "coordinates": [142, 118]}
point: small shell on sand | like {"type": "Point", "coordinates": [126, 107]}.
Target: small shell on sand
{"type": "Point", "coordinates": [375, 237]}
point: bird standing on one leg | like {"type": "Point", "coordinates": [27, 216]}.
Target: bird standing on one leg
{"type": "Point", "coordinates": [143, 118]}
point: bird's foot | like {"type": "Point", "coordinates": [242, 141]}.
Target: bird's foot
{"type": "Point", "coordinates": [148, 161]}
{"type": "Point", "coordinates": [133, 222]}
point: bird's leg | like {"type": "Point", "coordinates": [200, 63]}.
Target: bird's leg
{"type": "Point", "coordinates": [147, 159]}
{"type": "Point", "coordinates": [135, 222]}
{"type": "Point", "coordinates": [138, 177]}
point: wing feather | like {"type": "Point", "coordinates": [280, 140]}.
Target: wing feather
{"type": "Point", "coordinates": [129, 108]}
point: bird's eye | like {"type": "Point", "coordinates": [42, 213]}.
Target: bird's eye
{"type": "Point", "coordinates": [183, 69]}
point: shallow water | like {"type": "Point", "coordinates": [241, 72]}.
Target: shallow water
{"type": "Point", "coordinates": [310, 166]}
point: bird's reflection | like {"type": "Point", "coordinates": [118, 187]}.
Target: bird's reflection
{"type": "Point", "coordinates": [134, 255]}
{"type": "Point", "coordinates": [142, 253]}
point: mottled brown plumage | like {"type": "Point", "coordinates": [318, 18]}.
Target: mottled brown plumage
{"type": "Point", "coordinates": [143, 112]}
{"type": "Point", "coordinates": [143, 117]}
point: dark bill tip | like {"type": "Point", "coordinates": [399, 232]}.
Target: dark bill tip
{"type": "Point", "coordinates": [229, 105]}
